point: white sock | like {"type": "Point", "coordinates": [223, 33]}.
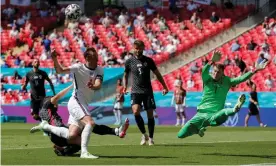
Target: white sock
{"type": "Point", "coordinates": [85, 137]}
{"type": "Point", "coordinates": [59, 131]}
{"type": "Point", "coordinates": [177, 121]}
{"type": "Point", "coordinates": [183, 120]}
{"type": "Point", "coordinates": [116, 115]}
{"type": "Point", "coordinates": [117, 131]}
{"type": "Point", "coordinates": [119, 116]}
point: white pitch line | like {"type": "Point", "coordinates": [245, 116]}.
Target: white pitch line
{"type": "Point", "coordinates": [210, 142]}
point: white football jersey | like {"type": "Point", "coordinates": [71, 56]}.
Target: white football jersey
{"type": "Point", "coordinates": [81, 76]}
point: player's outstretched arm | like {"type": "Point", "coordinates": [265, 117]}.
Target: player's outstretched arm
{"type": "Point", "coordinates": [248, 75]}
{"type": "Point", "coordinates": [59, 69]}
{"type": "Point", "coordinates": [125, 81]}
{"type": "Point", "coordinates": [54, 99]}
{"type": "Point", "coordinates": [96, 85]}
{"type": "Point", "coordinates": [240, 79]}
{"type": "Point", "coordinates": [161, 80]}
{"type": "Point", "coordinates": [253, 101]}
{"type": "Point", "coordinates": [205, 70]}
{"type": "Point", "coordinates": [50, 82]}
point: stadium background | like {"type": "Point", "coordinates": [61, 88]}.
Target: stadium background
{"type": "Point", "coordinates": [244, 23]}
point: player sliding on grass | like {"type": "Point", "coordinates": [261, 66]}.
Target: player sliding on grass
{"type": "Point", "coordinates": [210, 111]}
{"type": "Point", "coordinates": [59, 133]}
{"type": "Point", "coordinates": [88, 78]}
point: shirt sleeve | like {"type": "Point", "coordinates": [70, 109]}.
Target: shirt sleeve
{"type": "Point", "coordinates": [74, 68]}
{"type": "Point", "coordinates": [45, 75]}
{"type": "Point", "coordinates": [205, 73]}
{"type": "Point", "coordinates": [100, 74]}
{"type": "Point", "coordinates": [238, 80]}
{"type": "Point", "coordinates": [127, 66]}
{"type": "Point", "coordinates": [152, 65]}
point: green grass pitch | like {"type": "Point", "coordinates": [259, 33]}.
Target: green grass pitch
{"type": "Point", "coordinates": [221, 145]}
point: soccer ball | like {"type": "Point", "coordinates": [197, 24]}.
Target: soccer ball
{"type": "Point", "coordinates": [73, 12]}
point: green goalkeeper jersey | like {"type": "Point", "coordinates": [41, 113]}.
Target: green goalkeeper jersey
{"type": "Point", "coordinates": [215, 92]}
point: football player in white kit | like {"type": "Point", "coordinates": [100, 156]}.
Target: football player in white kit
{"type": "Point", "coordinates": [119, 102]}
{"type": "Point", "coordinates": [179, 98]}
{"type": "Point", "coordinates": [88, 77]}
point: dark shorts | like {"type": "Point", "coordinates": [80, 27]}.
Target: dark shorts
{"type": "Point", "coordinates": [59, 141]}
{"type": "Point", "coordinates": [64, 149]}
{"type": "Point", "coordinates": [36, 105]}
{"type": "Point", "coordinates": [253, 110]}
{"type": "Point", "coordinates": [145, 100]}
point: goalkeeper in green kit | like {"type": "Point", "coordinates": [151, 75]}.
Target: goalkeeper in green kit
{"type": "Point", "coordinates": [210, 111]}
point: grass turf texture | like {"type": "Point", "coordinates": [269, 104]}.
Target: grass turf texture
{"type": "Point", "coordinates": [220, 145]}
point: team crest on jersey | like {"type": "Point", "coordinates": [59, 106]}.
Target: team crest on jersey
{"type": "Point", "coordinates": [40, 76]}
{"type": "Point", "coordinates": [145, 64]}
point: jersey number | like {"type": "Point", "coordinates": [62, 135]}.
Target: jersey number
{"type": "Point", "coordinates": [140, 71]}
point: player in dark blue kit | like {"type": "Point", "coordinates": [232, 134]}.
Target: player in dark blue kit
{"type": "Point", "coordinates": [253, 107]}
{"type": "Point", "coordinates": [37, 78]}
{"type": "Point", "coordinates": [139, 66]}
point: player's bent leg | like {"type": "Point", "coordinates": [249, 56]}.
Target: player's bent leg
{"type": "Point", "coordinates": [188, 129]}
{"type": "Point", "coordinates": [39, 127]}
{"type": "Point", "coordinates": [239, 103]}
{"type": "Point", "coordinates": [193, 126]}
{"type": "Point", "coordinates": [221, 117]}
{"type": "Point", "coordinates": [105, 130]}
{"type": "Point", "coordinates": [74, 134]}
{"type": "Point", "coordinates": [85, 137]}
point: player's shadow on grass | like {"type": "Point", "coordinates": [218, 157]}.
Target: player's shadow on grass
{"type": "Point", "coordinates": [130, 157]}
{"type": "Point", "coordinates": [187, 145]}
{"type": "Point", "coordinates": [242, 155]}
{"type": "Point", "coordinates": [135, 157]}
